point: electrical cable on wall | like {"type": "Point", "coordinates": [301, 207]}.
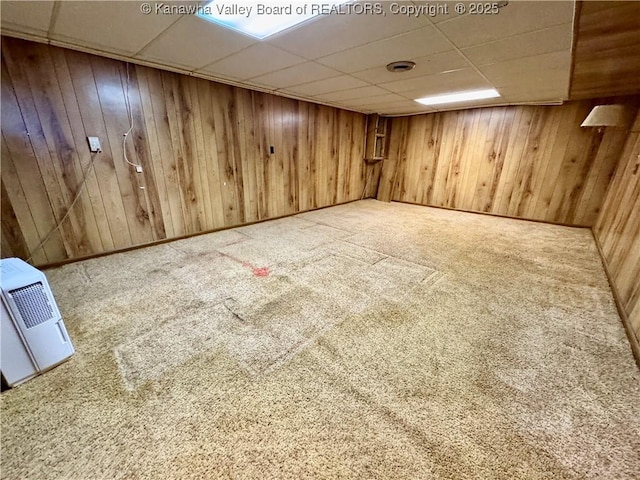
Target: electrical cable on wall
{"type": "Point", "coordinates": [128, 132]}
{"type": "Point", "coordinates": [85, 175]}
{"type": "Point", "coordinates": [86, 172]}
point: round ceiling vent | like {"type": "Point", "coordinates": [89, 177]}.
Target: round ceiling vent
{"type": "Point", "coordinates": [401, 66]}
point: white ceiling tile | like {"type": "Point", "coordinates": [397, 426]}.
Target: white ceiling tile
{"type": "Point", "coordinates": [428, 65]}
{"type": "Point", "coordinates": [534, 69]}
{"type": "Point", "coordinates": [253, 61]}
{"type": "Point", "coordinates": [27, 17]}
{"type": "Point", "coordinates": [193, 43]}
{"type": "Point", "coordinates": [524, 50]}
{"type": "Point", "coordinates": [386, 99]}
{"type": "Point", "coordinates": [402, 103]}
{"type": "Point", "coordinates": [404, 109]}
{"type": "Point", "coordinates": [457, 80]}
{"type": "Point", "coordinates": [556, 80]}
{"type": "Point", "coordinates": [116, 26]}
{"type": "Point", "coordinates": [520, 94]}
{"type": "Point", "coordinates": [408, 46]}
{"type": "Point", "coordinates": [514, 19]}
{"type": "Point", "coordinates": [353, 94]}
{"type": "Point", "coordinates": [528, 44]}
{"type": "Point", "coordinates": [334, 33]}
{"type": "Point", "coordinates": [489, 102]}
{"type": "Point", "coordinates": [335, 84]}
{"type": "Point", "coordinates": [288, 77]}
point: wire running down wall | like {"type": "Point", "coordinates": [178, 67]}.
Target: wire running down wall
{"type": "Point", "coordinates": [532, 162]}
{"type": "Point", "coordinates": [205, 149]}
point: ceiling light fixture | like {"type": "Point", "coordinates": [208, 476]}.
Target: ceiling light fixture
{"type": "Point", "coordinates": [401, 66]}
{"type": "Point", "coordinates": [459, 97]}
{"type": "Point", "coordinates": [266, 18]}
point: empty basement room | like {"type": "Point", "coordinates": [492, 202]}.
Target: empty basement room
{"type": "Point", "coordinates": [320, 240]}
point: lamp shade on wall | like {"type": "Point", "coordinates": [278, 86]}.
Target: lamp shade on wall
{"type": "Point", "coordinates": [605, 116]}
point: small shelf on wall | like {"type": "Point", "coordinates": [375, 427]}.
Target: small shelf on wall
{"type": "Point", "coordinates": [375, 149]}
{"type": "Point", "coordinates": [373, 160]}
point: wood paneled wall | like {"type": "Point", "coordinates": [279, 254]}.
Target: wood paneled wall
{"type": "Point", "coordinates": [606, 52]}
{"type": "Point", "coordinates": [618, 228]}
{"type": "Point", "coordinates": [532, 162]}
{"type": "Point", "coordinates": [204, 148]}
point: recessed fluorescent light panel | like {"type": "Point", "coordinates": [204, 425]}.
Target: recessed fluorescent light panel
{"type": "Point", "coordinates": [459, 97]}
{"type": "Point", "coordinates": [265, 18]}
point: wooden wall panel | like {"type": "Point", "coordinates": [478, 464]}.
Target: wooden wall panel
{"type": "Point", "coordinates": [606, 52]}
{"type": "Point", "coordinates": [204, 148]}
{"type": "Point", "coordinates": [532, 162]}
{"type": "Point", "coordinates": [618, 228]}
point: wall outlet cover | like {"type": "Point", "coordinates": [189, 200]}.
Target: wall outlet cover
{"type": "Point", "coordinates": [94, 144]}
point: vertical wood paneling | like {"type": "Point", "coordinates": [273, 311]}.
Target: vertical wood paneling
{"type": "Point", "coordinates": [533, 162]}
{"type": "Point", "coordinates": [12, 238]}
{"type": "Point", "coordinates": [305, 149]}
{"type": "Point", "coordinates": [150, 197]}
{"type": "Point", "coordinates": [618, 227]}
{"type": "Point", "coordinates": [16, 83]}
{"type": "Point", "coordinates": [111, 94]}
{"type": "Point", "coordinates": [86, 92]}
{"type": "Point", "coordinates": [203, 146]}
{"type": "Point", "coordinates": [95, 215]}
{"type": "Point", "coordinates": [32, 202]}
{"type": "Point", "coordinates": [606, 56]}
{"type": "Point", "coordinates": [396, 158]}
{"type": "Point", "coordinates": [156, 167]}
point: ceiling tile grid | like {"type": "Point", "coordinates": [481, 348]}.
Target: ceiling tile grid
{"type": "Point", "coordinates": [524, 51]}
{"type": "Point", "coordinates": [304, 73]}
{"type": "Point", "coordinates": [250, 62]}
{"type": "Point", "coordinates": [99, 25]}
{"type": "Point", "coordinates": [418, 43]}
{"type": "Point", "coordinates": [514, 19]}
{"type": "Point", "coordinates": [194, 43]}
{"type": "Point", "coordinates": [28, 17]}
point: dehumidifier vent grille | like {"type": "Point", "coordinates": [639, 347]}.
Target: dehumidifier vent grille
{"type": "Point", "coordinates": [33, 304]}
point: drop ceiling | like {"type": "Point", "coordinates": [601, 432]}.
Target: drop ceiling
{"type": "Point", "coordinates": [524, 51]}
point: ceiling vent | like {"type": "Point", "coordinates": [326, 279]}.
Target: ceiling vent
{"type": "Point", "coordinates": [401, 66]}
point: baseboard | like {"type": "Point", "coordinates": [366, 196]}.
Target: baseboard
{"type": "Point", "coordinates": [491, 214]}
{"type": "Point", "coordinates": [631, 336]}
{"type": "Point", "coordinates": [182, 237]}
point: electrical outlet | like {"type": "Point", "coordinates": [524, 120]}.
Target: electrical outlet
{"type": "Point", "coordinates": [94, 144]}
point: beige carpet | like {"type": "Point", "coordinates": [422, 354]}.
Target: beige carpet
{"type": "Point", "coordinates": [368, 340]}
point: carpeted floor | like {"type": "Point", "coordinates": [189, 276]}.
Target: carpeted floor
{"type": "Point", "coordinates": [367, 340]}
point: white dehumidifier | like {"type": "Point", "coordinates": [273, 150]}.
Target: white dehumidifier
{"type": "Point", "coordinates": [32, 334]}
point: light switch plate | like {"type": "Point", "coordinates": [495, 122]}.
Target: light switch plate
{"type": "Point", "coordinates": [94, 144]}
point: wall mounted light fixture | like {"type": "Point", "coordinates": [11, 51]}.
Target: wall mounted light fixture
{"type": "Point", "coordinates": [606, 116]}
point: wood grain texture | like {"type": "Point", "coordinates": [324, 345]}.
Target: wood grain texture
{"type": "Point", "coordinates": [532, 162]}
{"type": "Point", "coordinates": [606, 57]}
{"type": "Point", "coordinates": [204, 148]}
{"type": "Point", "coordinates": [618, 227]}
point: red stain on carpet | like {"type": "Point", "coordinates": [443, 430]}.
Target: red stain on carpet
{"type": "Point", "coordinates": [261, 272]}
{"type": "Point", "coordinates": [257, 271]}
